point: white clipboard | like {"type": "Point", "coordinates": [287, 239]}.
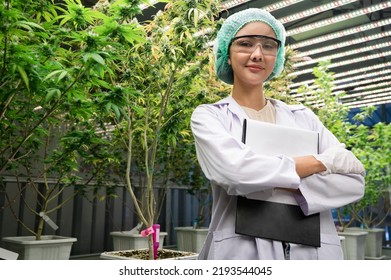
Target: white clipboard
{"type": "Point", "coordinates": [273, 139]}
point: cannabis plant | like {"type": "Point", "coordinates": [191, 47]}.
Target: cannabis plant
{"type": "Point", "coordinates": [56, 60]}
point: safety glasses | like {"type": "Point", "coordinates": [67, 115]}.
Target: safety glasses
{"type": "Point", "coordinates": [249, 43]}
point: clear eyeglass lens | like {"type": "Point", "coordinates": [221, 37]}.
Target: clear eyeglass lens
{"type": "Point", "coordinates": [249, 44]}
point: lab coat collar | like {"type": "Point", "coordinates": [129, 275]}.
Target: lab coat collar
{"type": "Point", "coordinates": [234, 107]}
{"type": "Point", "coordinates": [284, 113]}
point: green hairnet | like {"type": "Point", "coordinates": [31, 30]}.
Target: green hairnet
{"type": "Point", "coordinates": [228, 30]}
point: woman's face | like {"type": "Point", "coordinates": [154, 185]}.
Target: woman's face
{"type": "Point", "coordinates": [252, 69]}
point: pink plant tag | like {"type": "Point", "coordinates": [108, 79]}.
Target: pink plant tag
{"type": "Point", "coordinates": [147, 231]}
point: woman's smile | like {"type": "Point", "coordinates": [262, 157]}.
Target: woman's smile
{"type": "Point", "coordinates": [255, 68]}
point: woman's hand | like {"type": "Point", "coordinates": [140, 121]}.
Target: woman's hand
{"type": "Point", "coordinates": [308, 165]}
{"type": "Point", "coordinates": [337, 159]}
{"type": "Point", "coordinates": [334, 160]}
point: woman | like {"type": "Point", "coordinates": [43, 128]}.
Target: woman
{"type": "Point", "coordinates": [249, 51]}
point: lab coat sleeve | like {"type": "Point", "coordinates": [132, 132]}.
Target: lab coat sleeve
{"type": "Point", "coordinates": [319, 193]}
{"type": "Point", "coordinates": [227, 162]}
{"type": "Point", "coordinates": [324, 192]}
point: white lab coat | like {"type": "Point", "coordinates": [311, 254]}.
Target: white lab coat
{"type": "Point", "coordinates": [234, 169]}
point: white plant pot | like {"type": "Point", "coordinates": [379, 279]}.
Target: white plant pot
{"type": "Point", "coordinates": [114, 255]}
{"type": "Point", "coordinates": [51, 247]}
{"type": "Point", "coordinates": [343, 244]}
{"type": "Point", "coordinates": [190, 239]}
{"type": "Point", "coordinates": [124, 240]}
{"type": "Point", "coordinates": [373, 242]}
{"type": "Point", "coordinates": [354, 244]}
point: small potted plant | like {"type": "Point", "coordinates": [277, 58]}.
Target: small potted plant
{"type": "Point", "coordinates": [374, 208]}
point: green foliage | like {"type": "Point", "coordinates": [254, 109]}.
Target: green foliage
{"type": "Point", "coordinates": [57, 64]}
{"type": "Point", "coordinates": [159, 82]}
{"type": "Point", "coordinates": [370, 144]}
{"type": "Point", "coordinates": [278, 88]}
{"type": "Point", "coordinates": [325, 104]}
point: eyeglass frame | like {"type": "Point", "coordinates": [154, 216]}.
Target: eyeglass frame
{"type": "Point", "coordinates": [256, 36]}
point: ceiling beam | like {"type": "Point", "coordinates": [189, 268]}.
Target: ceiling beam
{"type": "Point", "coordinates": [365, 77]}
{"type": "Point", "coordinates": [315, 10]}
{"type": "Point", "coordinates": [340, 18]}
{"type": "Point", "coordinates": [342, 33]}
{"type": "Point", "coordinates": [346, 62]}
{"type": "Point", "coordinates": [348, 43]}
{"type": "Point", "coordinates": [352, 73]}
{"type": "Point", "coordinates": [273, 7]}
{"type": "Point", "coordinates": [345, 54]}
